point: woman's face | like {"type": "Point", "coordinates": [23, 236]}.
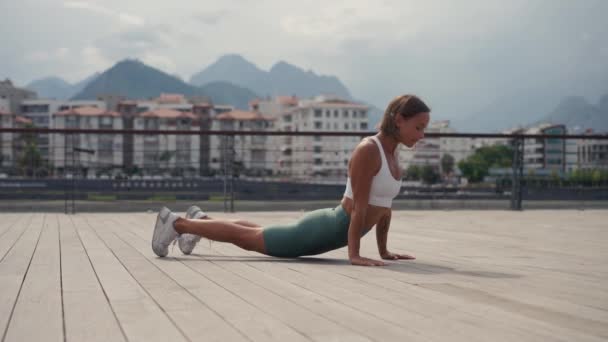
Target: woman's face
{"type": "Point", "coordinates": [412, 129]}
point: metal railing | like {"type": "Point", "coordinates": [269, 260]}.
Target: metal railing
{"type": "Point", "coordinates": [181, 173]}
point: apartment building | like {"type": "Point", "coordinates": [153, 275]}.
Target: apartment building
{"type": "Point", "coordinates": [546, 153]}
{"type": "Point", "coordinates": [11, 144]}
{"type": "Point", "coordinates": [321, 157]}
{"type": "Point", "coordinates": [169, 155]}
{"type": "Point", "coordinates": [252, 154]}
{"type": "Point", "coordinates": [41, 111]}
{"type": "Point", "coordinates": [430, 151]}
{"type": "Point", "coordinates": [15, 95]}
{"type": "Point", "coordinates": [69, 150]}
{"type": "Point", "coordinates": [592, 154]}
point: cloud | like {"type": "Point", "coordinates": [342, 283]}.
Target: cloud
{"type": "Point", "coordinates": [122, 17]}
{"type": "Point", "coordinates": [87, 6]}
{"type": "Point", "coordinates": [131, 19]}
{"type": "Point", "coordinates": [212, 17]}
{"type": "Point", "coordinates": [58, 54]}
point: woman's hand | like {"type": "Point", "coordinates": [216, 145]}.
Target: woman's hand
{"type": "Point", "coordinates": [395, 256]}
{"type": "Point", "coordinates": [361, 261]}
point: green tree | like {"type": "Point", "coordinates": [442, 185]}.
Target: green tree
{"type": "Point", "coordinates": [596, 177]}
{"type": "Point", "coordinates": [429, 175]}
{"type": "Point", "coordinates": [476, 166]}
{"type": "Point", "coordinates": [30, 160]}
{"type": "Point", "coordinates": [413, 172]}
{"type": "Point", "coordinates": [447, 164]}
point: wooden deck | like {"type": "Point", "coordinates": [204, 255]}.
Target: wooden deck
{"type": "Point", "coordinates": [479, 276]}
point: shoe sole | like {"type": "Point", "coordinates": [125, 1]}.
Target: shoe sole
{"type": "Point", "coordinates": [157, 230]}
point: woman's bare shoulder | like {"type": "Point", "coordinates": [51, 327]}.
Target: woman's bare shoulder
{"type": "Point", "coordinates": [366, 154]}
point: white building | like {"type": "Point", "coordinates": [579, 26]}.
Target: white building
{"type": "Point", "coordinates": [11, 144]}
{"type": "Point", "coordinates": [430, 151]}
{"type": "Point", "coordinates": [169, 155]}
{"type": "Point", "coordinates": [276, 106]}
{"type": "Point", "coordinates": [592, 154]}
{"type": "Point", "coordinates": [254, 154]}
{"type": "Point", "coordinates": [107, 156]}
{"type": "Point", "coordinates": [321, 157]}
{"type": "Point", "coordinates": [5, 105]}
{"type": "Point", "coordinates": [547, 154]}
{"type": "Point", "coordinates": [41, 111]}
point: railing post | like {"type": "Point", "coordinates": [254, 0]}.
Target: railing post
{"type": "Point", "coordinates": [518, 170]}
{"type": "Point", "coordinates": [232, 169]}
{"type": "Point", "coordinates": [228, 153]}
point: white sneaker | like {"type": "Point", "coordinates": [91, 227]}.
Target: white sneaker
{"type": "Point", "coordinates": [187, 242]}
{"type": "Point", "coordinates": [164, 232]}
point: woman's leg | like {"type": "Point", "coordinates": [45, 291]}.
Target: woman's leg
{"type": "Point", "coordinates": [239, 222]}
{"type": "Point", "coordinates": [247, 237]}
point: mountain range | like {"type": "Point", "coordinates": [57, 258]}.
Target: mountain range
{"type": "Point", "coordinates": [56, 88]}
{"type": "Point", "coordinates": [235, 81]}
{"type": "Point", "coordinates": [282, 79]}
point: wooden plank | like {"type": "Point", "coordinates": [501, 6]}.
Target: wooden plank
{"type": "Point", "coordinates": [39, 304]}
{"type": "Point", "coordinates": [8, 222]}
{"type": "Point", "coordinates": [14, 267]}
{"type": "Point", "coordinates": [88, 313]}
{"type": "Point", "coordinates": [399, 308]}
{"type": "Point", "coordinates": [12, 234]}
{"type": "Point", "coordinates": [251, 321]}
{"type": "Point", "coordinates": [191, 315]}
{"type": "Point", "coordinates": [139, 316]}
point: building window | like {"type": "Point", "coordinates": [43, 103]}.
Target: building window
{"type": "Point", "coordinates": [318, 113]}
{"type": "Point", "coordinates": [363, 126]}
{"type": "Point", "coordinates": [317, 149]}
{"type": "Point", "coordinates": [318, 125]}
{"type": "Point", "coordinates": [335, 113]}
{"type": "Point", "coordinates": [345, 113]}
{"type": "Point", "coordinates": [318, 161]}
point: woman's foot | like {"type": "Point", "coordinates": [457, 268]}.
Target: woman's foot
{"type": "Point", "coordinates": [164, 232]}
{"type": "Point", "coordinates": [187, 242]}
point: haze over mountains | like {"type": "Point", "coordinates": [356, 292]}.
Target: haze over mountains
{"type": "Point", "coordinates": [234, 80]}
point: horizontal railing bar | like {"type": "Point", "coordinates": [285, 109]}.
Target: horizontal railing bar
{"type": "Point", "coordinates": [291, 133]}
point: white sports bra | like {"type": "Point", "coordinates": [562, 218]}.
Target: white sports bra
{"type": "Point", "coordinates": [384, 186]}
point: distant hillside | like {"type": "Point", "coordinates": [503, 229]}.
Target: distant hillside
{"type": "Point", "coordinates": [57, 88]}
{"type": "Point", "coordinates": [136, 80]}
{"type": "Point", "coordinates": [282, 79]}
{"type": "Point", "coordinates": [578, 114]}
{"type": "Point", "coordinates": [227, 93]}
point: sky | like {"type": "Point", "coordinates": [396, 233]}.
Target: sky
{"type": "Point", "coordinates": [458, 55]}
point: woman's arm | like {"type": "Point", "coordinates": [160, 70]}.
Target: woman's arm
{"type": "Point", "coordinates": [382, 233]}
{"type": "Point", "coordinates": [364, 164]}
{"type": "Point", "coordinates": [382, 237]}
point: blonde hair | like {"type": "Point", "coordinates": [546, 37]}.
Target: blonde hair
{"type": "Point", "coordinates": [405, 105]}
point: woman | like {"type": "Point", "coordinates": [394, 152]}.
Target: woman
{"type": "Point", "coordinates": [374, 180]}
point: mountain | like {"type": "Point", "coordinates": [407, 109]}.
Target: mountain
{"type": "Point", "coordinates": [77, 88]}
{"type": "Point", "coordinates": [228, 93]}
{"type": "Point", "coordinates": [57, 88]}
{"type": "Point", "coordinates": [282, 79]}
{"type": "Point", "coordinates": [515, 109]}
{"type": "Point", "coordinates": [136, 80]}
{"type": "Point", "coordinates": [578, 114]}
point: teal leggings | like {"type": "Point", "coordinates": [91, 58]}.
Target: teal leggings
{"type": "Point", "coordinates": [319, 231]}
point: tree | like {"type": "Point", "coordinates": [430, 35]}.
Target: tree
{"type": "Point", "coordinates": [30, 160]}
{"type": "Point", "coordinates": [447, 164]}
{"type": "Point", "coordinates": [429, 175]}
{"type": "Point", "coordinates": [476, 166]}
{"type": "Point", "coordinates": [413, 172]}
